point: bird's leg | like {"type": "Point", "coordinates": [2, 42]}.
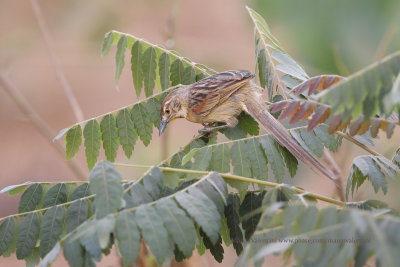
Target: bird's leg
{"type": "Point", "coordinates": [232, 122]}
{"type": "Point", "coordinates": [209, 129]}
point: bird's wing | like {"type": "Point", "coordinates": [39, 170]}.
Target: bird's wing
{"type": "Point", "coordinates": [207, 93]}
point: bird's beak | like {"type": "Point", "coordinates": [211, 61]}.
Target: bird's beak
{"type": "Point", "coordinates": [163, 124]}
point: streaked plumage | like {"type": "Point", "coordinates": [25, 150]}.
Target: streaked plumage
{"type": "Point", "coordinates": [221, 98]}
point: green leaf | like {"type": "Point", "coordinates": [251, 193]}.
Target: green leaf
{"type": "Point", "coordinates": [189, 155]}
{"type": "Point", "coordinates": [329, 140]}
{"type": "Point", "coordinates": [274, 157]}
{"type": "Point", "coordinates": [248, 124]}
{"type": "Point", "coordinates": [77, 213]}
{"type": "Point", "coordinates": [74, 253]}
{"type": "Point", "coordinates": [296, 135]}
{"type": "Point", "coordinates": [142, 123]}
{"type": "Point", "coordinates": [92, 245]}
{"type": "Point", "coordinates": [368, 168]}
{"type": "Point", "coordinates": [126, 131]}
{"type": "Point", "coordinates": [73, 140]}
{"type": "Point", "coordinates": [392, 99]}
{"type": "Point", "coordinates": [312, 142]}
{"type": "Point", "coordinates": [290, 160]}
{"type": "Point", "coordinates": [201, 248]}
{"type": "Point", "coordinates": [34, 258]}
{"type": "Point", "coordinates": [136, 67]}
{"type": "Point", "coordinates": [215, 248]}
{"type": "Point", "coordinates": [128, 237]}
{"type": "Point", "coordinates": [15, 189]}
{"type": "Point", "coordinates": [30, 199]}
{"type": "Point", "coordinates": [92, 142]}
{"type": "Point", "coordinates": [28, 233]}
{"type": "Point", "coordinates": [154, 183]}
{"type": "Point", "coordinates": [202, 159]}
{"type": "Point", "coordinates": [179, 226]}
{"type": "Point", "coordinates": [140, 195]}
{"type": "Point", "coordinates": [149, 64]}
{"type": "Point", "coordinates": [153, 231]}
{"type": "Point", "coordinates": [241, 164]}
{"type": "Point", "coordinates": [233, 221]}
{"type": "Point", "coordinates": [234, 133]}
{"type": "Point", "coordinates": [51, 229]}
{"type": "Point", "coordinates": [373, 82]}
{"type": "Point", "coordinates": [56, 195]}
{"type": "Point", "coordinates": [105, 182]}
{"type": "Point", "coordinates": [153, 107]}
{"type": "Point", "coordinates": [288, 66]}
{"type": "Point", "coordinates": [104, 227]}
{"type": "Point", "coordinates": [203, 211]}
{"type": "Point", "coordinates": [80, 192]}
{"type": "Point", "coordinates": [177, 70]}
{"type": "Point", "coordinates": [109, 135]}
{"type": "Point", "coordinates": [107, 42]}
{"type": "Point", "coordinates": [7, 233]}
{"type": "Point", "coordinates": [220, 159]}
{"type": "Point", "coordinates": [213, 192]}
{"type": "Point", "coordinates": [120, 57]}
{"type": "Point", "coordinates": [218, 184]}
{"type": "Point", "coordinates": [262, 67]}
{"type": "Point", "coordinates": [263, 29]}
{"type": "Point", "coordinates": [163, 64]}
{"type": "Point", "coordinates": [257, 159]}
{"type": "Point", "coordinates": [200, 76]}
{"type": "Point", "coordinates": [224, 232]}
{"type": "Point", "coordinates": [51, 256]}
{"type": "Point", "coordinates": [248, 208]}
{"type": "Point", "coordinates": [189, 75]}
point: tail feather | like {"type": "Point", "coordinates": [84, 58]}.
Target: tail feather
{"type": "Point", "coordinates": [259, 112]}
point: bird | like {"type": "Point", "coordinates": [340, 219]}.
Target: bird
{"type": "Point", "coordinates": [221, 97]}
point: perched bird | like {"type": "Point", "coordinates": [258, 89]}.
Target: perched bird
{"type": "Point", "coordinates": [221, 98]}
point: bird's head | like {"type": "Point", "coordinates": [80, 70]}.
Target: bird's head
{"type": "Point", "coordinates": [172, 108]}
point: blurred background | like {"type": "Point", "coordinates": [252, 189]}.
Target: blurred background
{"type": "Point", "coordinates": [324, 36]}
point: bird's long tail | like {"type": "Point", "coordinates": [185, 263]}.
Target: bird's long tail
{"type": "Point", "coordinates": [255, 106]}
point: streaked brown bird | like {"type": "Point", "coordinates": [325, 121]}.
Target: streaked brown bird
{"type": "Point", "coordinates": [221, 98]}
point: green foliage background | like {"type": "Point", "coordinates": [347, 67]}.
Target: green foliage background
{"type": "Point", "coordinates": [323, 33]}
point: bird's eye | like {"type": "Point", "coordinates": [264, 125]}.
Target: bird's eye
{"type": "Point", "coordinates": [167, 111]}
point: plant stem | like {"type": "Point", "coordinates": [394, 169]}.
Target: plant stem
{"type": "Point", "coordinates": [56, 62]}
{"type": "Point", "coordinates": [327, 157]}
{"type": "Point", "coordinates": [38, 122]}
{"type": "Point", "coordinates": [44, 209]}
{"type": "Point", "coordinates": [354, 141]}
{"type": "Point", "coordinates": [243, 179]}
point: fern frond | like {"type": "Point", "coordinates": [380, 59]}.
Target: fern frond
{"type": "Point", "coordinates": [151, 64]}
{"type": "Point", "coordinates": [317, 113]}
{"type": "Point", "coordinates": [121, 126]}
{"type": "Point", "coordinates": [159, 218]}
{"type": "Point", "coordinates": [376, 168]}
{"type": "Point", "coordinates": [340, 237]}
{"type": "Point", "coordinates": [250, 156]}
{"type": "Point", "coordinates": [276, 69]}
{"type": "Point", "coordinates": [367, 91]}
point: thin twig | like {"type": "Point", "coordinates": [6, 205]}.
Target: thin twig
{"type": "Point", "coordinates": [354, 141]}
{"type": "Point", "coordinates": [56, 62]}
{"type": "Point", "coordinates": [242, 179]}
{"type": "Point", "coordinates": [327, 157]}
{"type": "Point", "coordinates": [170, 45]}
{"type": "Point", "coordinates": [37, 121]}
